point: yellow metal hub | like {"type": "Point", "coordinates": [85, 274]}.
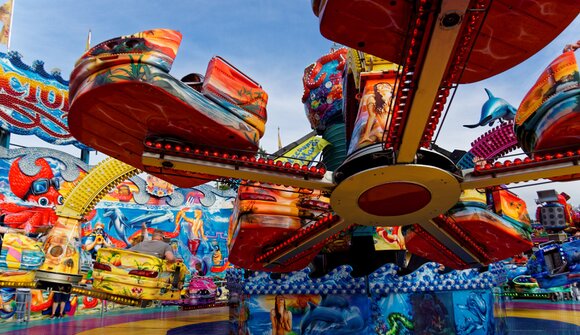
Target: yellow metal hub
{"type": "Point", "coordinates": [395, 195]}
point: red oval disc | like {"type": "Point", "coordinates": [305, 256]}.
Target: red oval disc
{"type": "Point", "coordinates": [393, 199]}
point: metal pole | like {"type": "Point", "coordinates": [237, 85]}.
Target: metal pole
{"type": "Point", "coordinates": [85, 155]}
{"type": "Point", "coordinates": [10, 27]}
{"type": "Point", "coordinates": [103, 307]}
{"type": "Point", "coordinates": [4, 138]}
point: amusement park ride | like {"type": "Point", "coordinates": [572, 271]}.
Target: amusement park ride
{"type": "Point", "coordinates": [124, 103]}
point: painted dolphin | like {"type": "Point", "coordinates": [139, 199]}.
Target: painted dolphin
{"type": "Point", "coordinates": [153, 219]}
{"type": "Point", "coordinates": [119, 221]}
{"type": "Point", "coordinates": [494, 109]}
{"type": "Point", "coordinates": [332, 315]}
{"type": "Point", "coordinates": [319, 313]}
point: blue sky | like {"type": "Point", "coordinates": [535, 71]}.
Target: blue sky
{"type": "Point", "coordinates": [270, 40]}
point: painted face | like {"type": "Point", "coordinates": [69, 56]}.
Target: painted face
{"type": "Point", "coordinates": [124, 190]}
{"type": "Point", "coordinates": [280, 302]}
{"type": "Point", "coordinates": [384, 90]}
{"type": "Point", "coordinates": [45, 192]}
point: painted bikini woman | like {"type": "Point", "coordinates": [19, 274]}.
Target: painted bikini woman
{"type": "Point", "coordinates": [373, 115]}
{"type": "Point", "coordinates": [280, 317]}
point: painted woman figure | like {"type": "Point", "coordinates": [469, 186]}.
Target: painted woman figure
{"type": "Point", "coordinates": [373, 116]}
{"type": "Point", "coordinates": [196, 232]}
{"type": "Point", "coordinates": [281, 317]}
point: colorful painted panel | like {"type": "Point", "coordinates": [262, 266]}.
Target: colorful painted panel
{"type": "Point", "coordinates": [198, 234]}
{"type": "Point", "coordinates": [389, 238]}
{"type": "Point", "coordinates": [430, 300]}
{"type": "Point", "coordinates": [237, 92]}
{"type": "Point", "coordinates": [137, 275]}
{"type": "Point", "coordinates": [512, 208]}
{"type": "Point", "coordinates": [34, 181]}
{"type": "Point", "coordinates": [34, 102]}
{"type": "Point", "coordinates": [434, 301]}
{"type": "Point", "coordinates": [437, 313]}
{"type": "Point", "coordinates": [19, 252]}
{"type": "Point", "coordinates": [323, 90]}
{"type": "Point", "coordinates": [374, 113]}
{"type": "Point", "coordinates": [309, 314]}
{"type": "Point", "coordinates": [160, 44]}
{"type": "Point", "coordinates": [562, 73]}
{"type": "Point", "coordinates": [547, 118]}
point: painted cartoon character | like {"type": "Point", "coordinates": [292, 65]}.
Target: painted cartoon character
{"type": "Point", "coordinates": [41, 190]}
{"type": "Point", "coordinates": [97, 239]}
{"type": "Point", "coordinates": [216, 255]}
{"type": "Point", "coordinates": [196, 232]}
{"type": "Point", "coordinates": [392, 235]}
{"type": "Point", "coordinates": [122, 193]}
{"type": "Point", "coordinates": [158, 187]}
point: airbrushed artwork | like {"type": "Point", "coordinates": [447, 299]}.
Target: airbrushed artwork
{"type": "Point", "coordinates": [139, 192]}
{"type": "Point", "coordinates": [34, 182]}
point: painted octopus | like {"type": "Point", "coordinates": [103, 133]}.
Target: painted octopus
{"type": "Point", "coordinates": [40, 191]}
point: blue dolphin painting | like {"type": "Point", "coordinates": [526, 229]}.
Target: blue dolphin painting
{"type": "Point", "coordinates": [119, 222]}
{"type": "Point", "coordinates": [494, 109]}
{"type": "Point", "coordinates": [334, 315]}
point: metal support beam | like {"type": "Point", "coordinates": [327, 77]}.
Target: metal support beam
{"type": "Point", "coordinates": [452, 244]}
{"type": "Point", "coordinates": [85, 155]}
{"type": "Point", "coordinates": [557, 169]}
{"type": "Point", "coordinates": [441, 48]}
{"type": "Point", "coordinates": [157, 163]}
{"type": "Point", "coordinates": [306, 244]}
{"type": "Point", "coordinates": [4, 138]}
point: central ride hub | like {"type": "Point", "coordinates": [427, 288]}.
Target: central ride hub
{"type": "Point", "coordinates": [395, 195]}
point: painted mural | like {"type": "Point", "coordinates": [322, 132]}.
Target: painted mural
{"type": "Point", "coordinates": [389, 238]}
{"type": "Point", "coordinates": [452, 312]}
{"type": "Point", "coordinates": [309, 314]}
{"type": "Point", "coordinates": [33, 101]}
{"type": "Point", "coordinates": [197, 233]}
{"type": "Point", "coordinates": [429, 301]}
{"type": "Point", "coordinates": [374, 113]}
{"type": "Point", "coordinates": [34, 181]}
